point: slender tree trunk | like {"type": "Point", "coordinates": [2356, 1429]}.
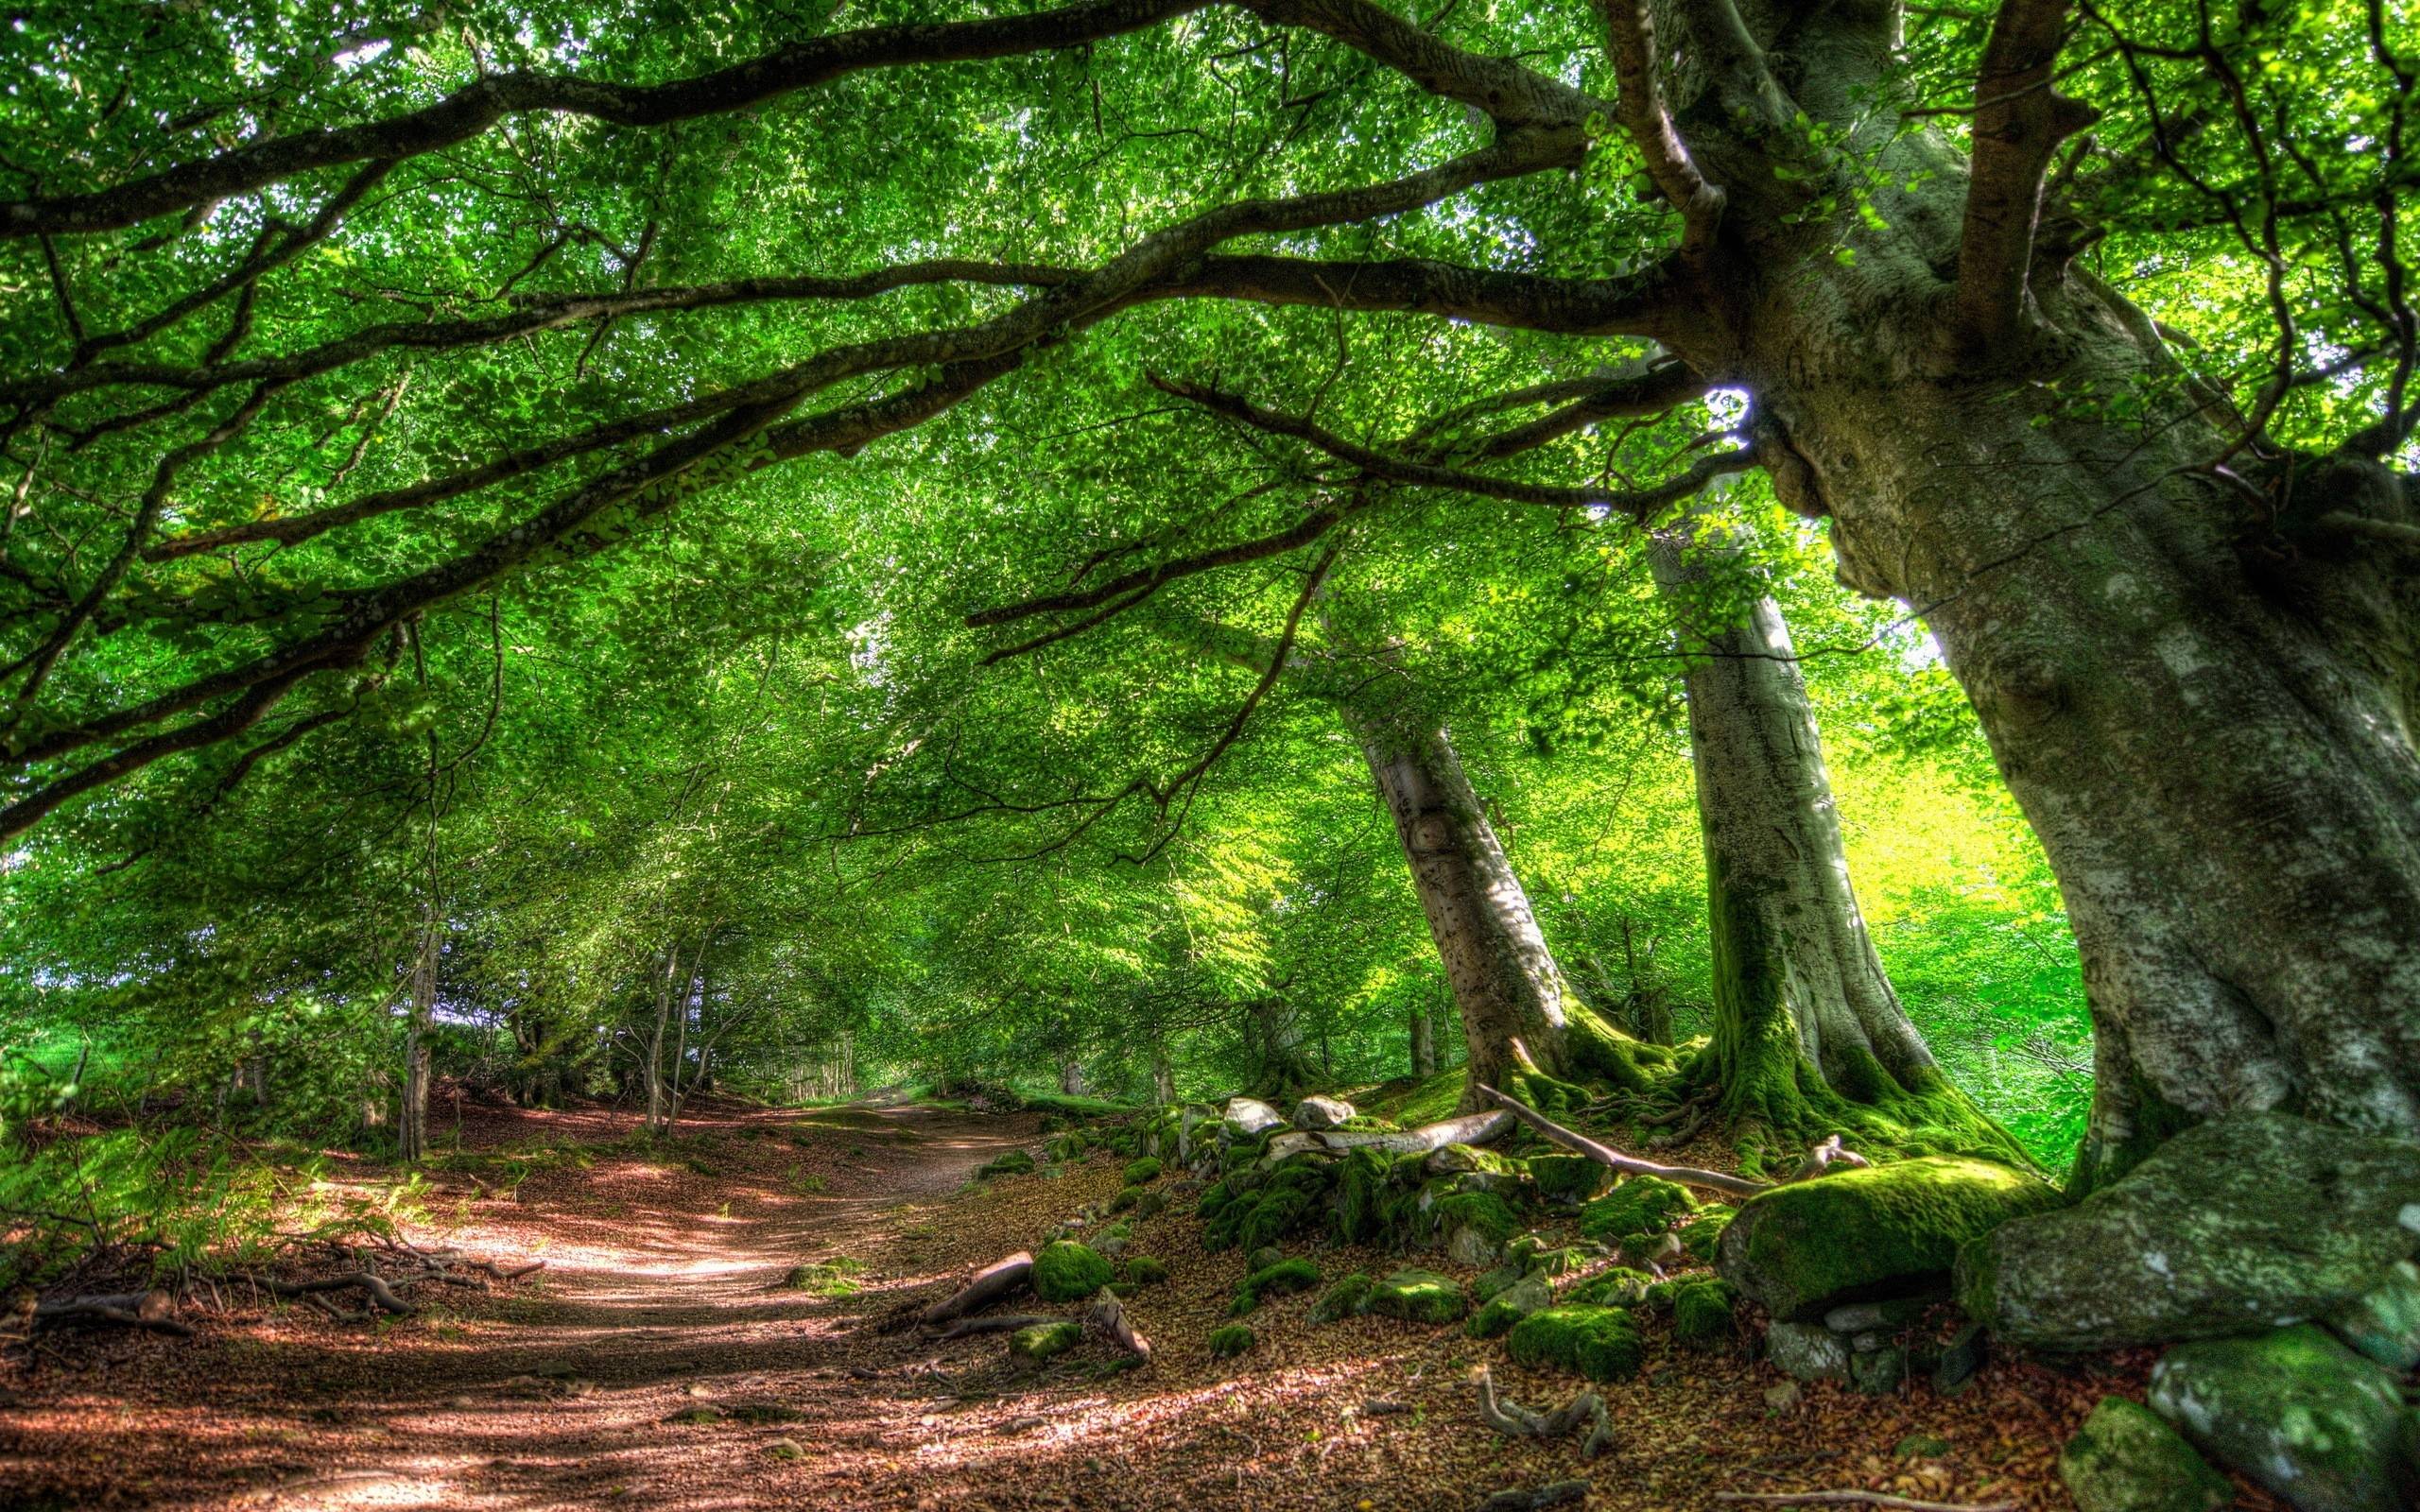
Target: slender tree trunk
{"type": "Point", "coordinates": [1423, 1043]}
{"type": "Point", "coordinates": [1163, 1075]}
{"type": "Point", "coordinates": [1518, 1013]}
{"type": "Point", "coordinates": [1071, 1077]}
{"type": "Point", "coordinates": [1802, 1005]}
{"type": "Point", "coordinates": [651, 1069]}
{"type": "Point", "coordinates": [411, 1125]}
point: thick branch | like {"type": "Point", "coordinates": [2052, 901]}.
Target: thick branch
{"type": "Point", "coordinates": [1728, 1185]}
{"type": "Point", "coordinates": [2019, 121]}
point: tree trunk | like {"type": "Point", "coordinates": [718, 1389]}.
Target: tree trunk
{"type": "Point", "coordinates": [1424, 1044]}
{"type": "Point", "coordinates": [651, 1069]}
{"type": "Point", "coordinates": [2204, 701]}
{"type": "Point", "coordinates": [1071, 1077]}
{"type": "Point", "coordinates": [412, 1125]}
{"type": "Point", "coordinates": [1277, 1044]}
{"type": "Point", "coordinates": [1518, 1014]}
{"type": "Point", "coordinates": [1162, 1075]}
{"type": "Point", "coordinates": [1801, 1005]}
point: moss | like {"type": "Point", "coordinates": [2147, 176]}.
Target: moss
{"type": "Point", "coordinates": [1601, 1343]}
{"type": "Point", "coordinates": [1230, 1341]}
{"type": "Point", "coordinates": [1857, 1234]}
{"type": "Point", "coordinates": [1292, 1198]}
{"type": "Point", "coordinates": [1515, 1303]}
{"type": "Point", "coordinates": [1418, 1297]}
{"type": "Point", "coordinates": [1490, 1216]}
{"type": "Point", "coordinates": [1149, 1205]}
{"type": "Point", "coordinates": [1345, 1299]}
{"type": "Point", "coordinates": [1275, 1280]}
{"type": "Point", "coordinates": [1702, 1314]}
{"type": "Point", "coordinates": [1439, 1097]}
{"type": "Point", "coordinates": [1569, 1178]}
{"type": "Point", "coordinates": [1214, 1201]}
{"type": "Point", "coordinates": [1700, 1235]}
{"type": "Point", "coordinates": [1361, 1194]}
{"type": "Point", "coordinates": [1642, 1205]}
{"type": "Point", "coordinates": [1146, 1169]}
{"type": "Point", "coordinates": [1126, 1198]}
{"type": "Point", "coordinates": [836, 1277]}
{"type": "Point", "coordinates": [1145, 1271]}
{"type": "Point", "coordinates": [1033, 1345]}
{"type": "Point", "coordinates": [1616, 1284]}
{"type": "Point", "coordinates": [1066, 1271]}
{"type": "Point", "coordinates": [1015, 1163]}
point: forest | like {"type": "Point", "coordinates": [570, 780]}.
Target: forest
{"type": "Point", "coordinates": [1383, 755]}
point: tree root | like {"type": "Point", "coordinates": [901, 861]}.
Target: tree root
{"type": "Point", "coordinates": [1516, 1421]}
{"type": "Point", "coordinates": [1825, 1156]}
{"type": "Point", "coordinates": [967, 1328]}
{"type": "Point", "coordinates": [1728, 1185]}
{"type": "Point", "coordinates": [1002, 1278]}
{"type": "Point", "coordinates": [1470, 1129]}
{"type": "Point", "coordinates": [1107, 1317]}
{"type": "Point", "coordinates": [128, 1310]}
{"type": "Point", "coordinates": [381, 1294]}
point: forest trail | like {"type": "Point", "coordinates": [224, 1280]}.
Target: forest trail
{"type": "Point", "coordinates": [662, 1360]}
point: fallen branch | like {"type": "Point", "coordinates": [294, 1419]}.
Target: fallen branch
{"type": "Point", "coordinates": [1002, 1278]}
{"type": "Point", "coordinates": [1529, 1501]}
{"type": "Point", "coordinates": [380, 1293]}
{"type": "Point", "coordinates": [1903, 1503]}
{"type": "Point", "coordinates": [1471, 1129]}
{"type": "Point", "coordinates": [1825, 1156]}
{"type": "Point", "coordinates": [129, 1309]}
{"type": "Point", "coordinates": [1516, 1421]}
{"type": "Point", "coordinates": [967, 1328]}
{"type": "Point", "coordinates": [1107, 1317]}
{"type": "Point", "coordinates": [1728, 1185]}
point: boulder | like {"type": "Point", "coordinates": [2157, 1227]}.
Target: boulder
{"type": "Point", "coordinates": [2384, 1322]}
{"type": "Point", "coordinates": [1528, 1295]}
{"type": "Point", "coordinates": [2295, 1412]}
{"type": "Point", "coordinates": [1601, 1343]}
{"type": "Point", "coordinates": [1642, 1205]}
{"type": "Point", "coordinates": [1569, 1180]}
{"type": "Point", "coordinates": [1066, 1271]}
{"type": "Point", "coordinates": [2235, 1226]}
{"type": "Point", "coordinates": [1249, 1118]}
{"type": "Point", "coordinates": [1860, 1234]}
{"type": "Point", "coordinates": [1418, 1297]}
{"type": "Point", "coordinates": [1323, 1113]}
{"type": "Point", "coordinates": [2126, 1459]}
{"type": "Point", "coordinates": [1808, 1351]}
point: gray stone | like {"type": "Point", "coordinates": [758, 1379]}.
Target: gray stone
{"type": "Point", "coordinates": [1261, 1259]}
{"type": "Point", "coordinates": [1865, 1317]}
{"type": "Point", "coordinates": [1961, 1358]}
{"type": "Point", "coordinates": [1806, 1353]}
{"type": "Point", "coordinates": [2385, 1323]}
{"type": "Point", "coordinates": [2294, 1411]}
{"type": "Point", "coordinates": [1321, 1112]}
{"type": "Point", "coordinates": [2125, 1459]}
{"type": "Point", "coordinates": [1874, 1343]}
{"type": "Point", "coordinates": [1467, 1246]}
{"type": "Point", "coordinates": [2235, 1226]}
{"type": "Point", "coordinates": [1249, 1118]}
{"type": "Point", "coordinates": [1878, 1375]}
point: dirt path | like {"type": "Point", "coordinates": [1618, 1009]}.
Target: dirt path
{"type": "Point", "coordinates": [661, 1361]}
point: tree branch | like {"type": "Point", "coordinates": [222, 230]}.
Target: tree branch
{"type": "Point", "coordinates": [2019, 122]}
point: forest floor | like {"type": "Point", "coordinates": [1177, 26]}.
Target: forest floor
{"type": "Point", "coordinates": [660, 1360]}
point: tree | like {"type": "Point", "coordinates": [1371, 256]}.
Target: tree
{"type": "Point", "coordinates": [2174, 589]}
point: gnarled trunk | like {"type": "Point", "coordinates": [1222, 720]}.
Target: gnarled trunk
{"type": "Point", "coordinates": [1802, 1005]}
{"type": "Point", "coordinates": [1284, 1067]}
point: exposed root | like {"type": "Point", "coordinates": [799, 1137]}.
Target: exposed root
{"type": "Point", "coordinates": [381, 1294]}
{"type": "Point", "coordinates": [1825, 1156]}
{"type": "Point", "coordinates": [1554, 1494]}
{"type": "Point", "coordinates": [129, 1309]}
{"type": "Point", "coordinates": [1107, 1317]}
{"type": "Point", "coordinates": [1629, 1164]}
{"type": "Point", "coordinates": [1515, 1421]}
{"type": "Point", "coordinates": [967, 1328]}
{"type": "Point", "coordinates": [1002, 1278]}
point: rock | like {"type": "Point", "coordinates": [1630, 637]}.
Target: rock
{"type": "Point", "coordinates": [1285, 1277]}
{"type": "Point", "coordinates": [1139, 1172]}
{"type": "Point", "coordinates": [1033, 1346]}
{"type": "Point", "coordinates": [1807, 1351]}
{"type": "Point", "coordinates": [2384, 1322]}
{"type": "Point", "coordinates": [1642, 1205]}
{"type": "Point", "coordinates": [1346, 1298]}
{"type": "Point", "coordinates": [1601, 1343]}
{"type": "Point", "coordinates": [1961, 1359]}
{"type": "Point", "coordinates": [2295, 1412]}
{"type": "Point", "coordinates": [1528, 1295]}
{"type": "Point", "coordinates": [1145, 1271]}
{"type": "Point", "coordinates": [2125, 1459]}
{"type": "Point", "coordinates": [1702, 1314]}
{"type": "Point", "coordinates": [2235, 1226]}
{"type": "Point", "coordinates": [1878, 1374]}
{"type": "Point", "coordinates": [1323, 1112]}
{"type": "Point", "coordinates": [1650, 1251]}
{"type": "Point", "coordinates": [1266, 1256]}
{"type": "Point", "coordinates": [1418, 1297]}
{"type": "Point", "coordinates": [1869, 1318]}
{"type": "Point", "coordinates": [1784, 1397]}
{"type": "Point", "coordinates": [1863, 1234]}
{"type": "Point", "coordinates": [1569, 1180]}
{"type": "Point", "coordinates": [1066, 1271]}
{"type": "Point", "coordinates": [1467, 1246]}
{"type": "Point", "coordinates": [1230, 1341]}
{"type": "Point", "coordinates": [785, 1449]}
{"type": "Point", "coordinates": [1468, 1159]}
{"type": "Point", "coordinates": [1248, 1118]}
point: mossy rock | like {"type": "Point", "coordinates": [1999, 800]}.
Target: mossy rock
{"type": "Point", "coordinates": [1601, 1343]}
{"type": "Point", "coordinates": [836, 1277]}
{"type": "Point", "coordinates": [1013, 1162]}
{"type": "Point", "coordinates": [1704, 1313]}
{"type": "Point", "coordinates": [1528, 1295]}
{"type": "Point", "coordinates": [1124, 1198]}
{"type": "Point", "coordinates": [1616, 1285]}
{"type": "Point", "coordinates": [1285, 1277]}
{"type": "Point", "coordinates": [1468, 1159]}
{"type": "Point", "coordinates": [2124, 1459]}
{"type": "Point", "coordinates": [1484, 1213]}
{"type": "Point", "coordinates": [1291, 1198]}
{"type": "Point", "coordinates": [1146, 1169]}
{"type": "Point", "coordinates": [1349, 1297]}
{"type": "Point", "coordinates": [1150, 1205]}
{"type": "Point", "coordinates": [1030, 1346]}
{"type": "Point", "coordinates": [1642, 1205]}
{"type": "Point", "coordinates": [1702, 1234]}
{"type": "Point", "coordinates": [1886, 1230]}
{"type": "Point", "coordinates": [1067, 1271]}
{"type": "Point", "coordinates": [1145, 1271]}
{"type": "Point", "coordinates": [1536, 1252]}
{"type": "Point", "coordinates": [1418, 1297]}
{"type": "Point", "coordinates": [1230, 1341]}
{"type": "Point", "coordinates": [1569, 1180]}
{"type": "Point", "coordinates": [2296, 1412]}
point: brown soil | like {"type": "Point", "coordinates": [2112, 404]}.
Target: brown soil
{"type": "Point", "coordinates": [661, 1361]}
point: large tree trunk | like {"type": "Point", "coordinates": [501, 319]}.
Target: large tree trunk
{"type": "Point", "coordinates": [2202, 693]}
{"type": "Point", "coordinates": [1071, 1077]}
{"type": "Point", "coordinates": [1285, 1067]}
{"type": "Point", "coordinates": [1519, 1015]}
{"type": "Point", "coordinates": [1801, 1005]}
